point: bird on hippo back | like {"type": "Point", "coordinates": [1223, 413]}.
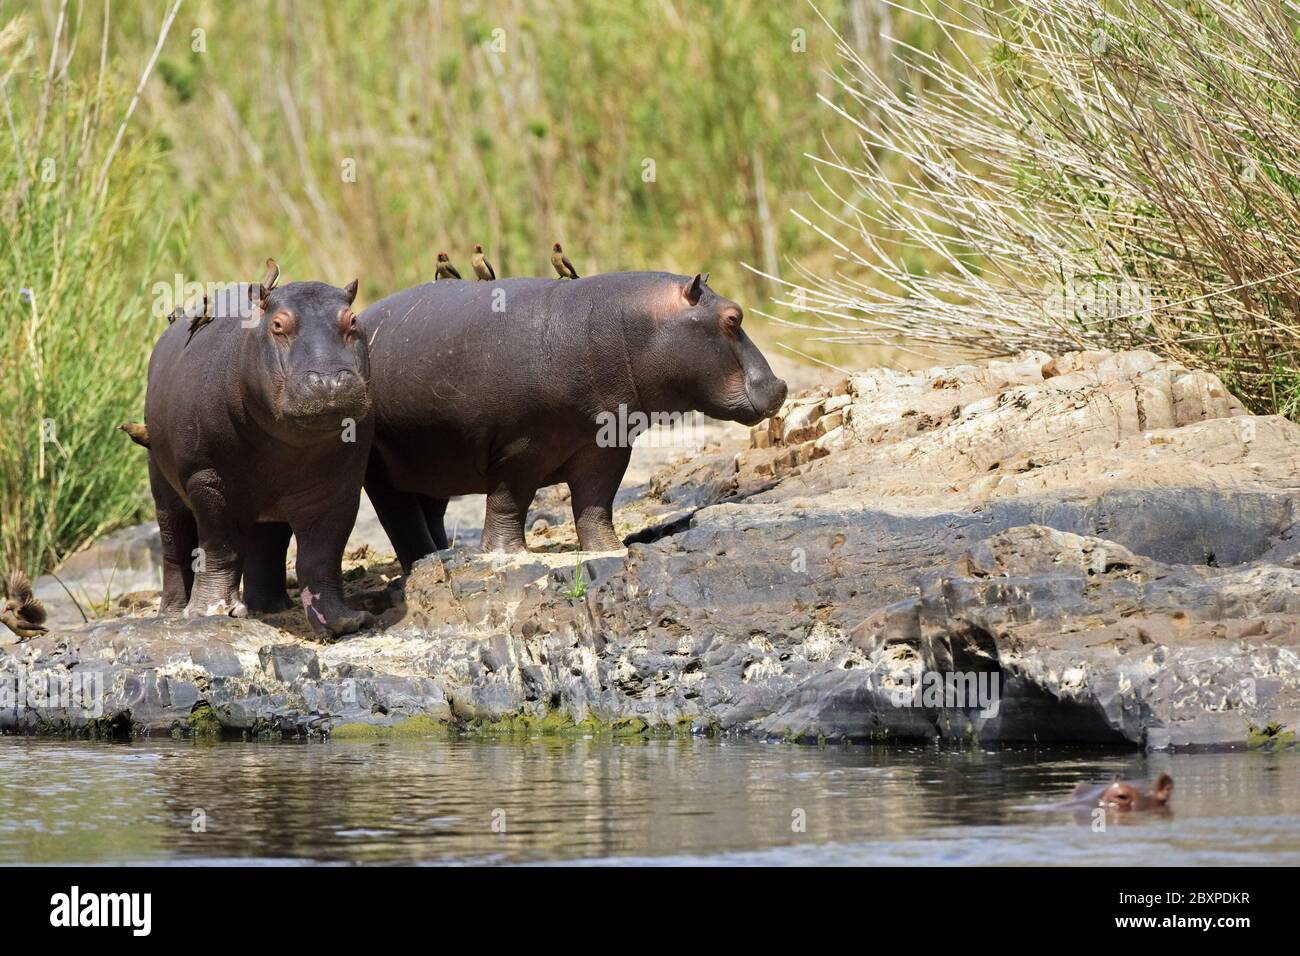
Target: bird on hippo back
{"type": "Point", "coordinates": [258, 428]}
{"type": "Point", "coordinates": [503, 391]}
{"type": "Point", "coordinates": [482, 268]}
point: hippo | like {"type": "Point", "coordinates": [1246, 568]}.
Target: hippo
{"type": "Point", "coordinates": [503, 387]}
{"type": "Point", "coordinates": [1121, 795]}
{"type": "Point", "coordinates": [259, 426]}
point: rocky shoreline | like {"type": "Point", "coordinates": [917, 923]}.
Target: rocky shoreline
{"type": "Point", "coordinates": [1092, 548]}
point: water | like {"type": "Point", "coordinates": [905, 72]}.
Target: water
{"type": "Point", "coordinates": [656, 801]}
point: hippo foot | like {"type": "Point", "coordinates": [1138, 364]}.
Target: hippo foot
{"type": "Point", "coordinates": [500, 545]}
{"type": "Point", "coordinates": [331, 618]}
{"type": "Point", "coordinates": [598, 539]}
{"type": "Point", "coordinates": [271, 605]}
{"type": "Point", "coordinates": [222, 608]}
{"type": "Point", "coordinates": [376, 601]}
{"type": "Point", "coordinates": [341, 624]}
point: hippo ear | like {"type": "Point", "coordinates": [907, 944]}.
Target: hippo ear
{"type": "Point", "coordinates": [1163, 788]}
{"type": "Point", "coordinates": [350, 290]}
{"type": "Point", "coordinates": [263, 293]}
{"type": "Point", "coordinates": [272, 274]}
{"type": "Point", "coordinates": [695, 289]}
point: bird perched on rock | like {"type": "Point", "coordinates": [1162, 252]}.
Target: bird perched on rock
{"type": "Point", "coordinates": [445, 269]}
{"type": "Point", "coordinates": [482, 268]}
{"type": "Point", "coordinates": [199, 319]}
{"type": "Point", "coordinates": [23, 613]}
{"type": "Point", "coordinates": [562, 264]}
{"type": "Point", "coordinates": [137, 432]}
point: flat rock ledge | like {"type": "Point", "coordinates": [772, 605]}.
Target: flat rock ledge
{"type": "Point", "coordinates": [1092, 548]}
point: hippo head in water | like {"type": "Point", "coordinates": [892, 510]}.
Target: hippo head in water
{"type": "Point", "coordinates": [1124, 795]}
{"type": "Point", "coordinates": [696, 356]}
{"type": "Point", "coordinates": [314, 356]}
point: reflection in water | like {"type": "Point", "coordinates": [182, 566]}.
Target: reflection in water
{"type": "Point", "coordinates": [657, 800]}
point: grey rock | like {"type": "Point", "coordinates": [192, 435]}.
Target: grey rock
{"type": "Point", "coordinates": [289, 663]}
{"type": "Point", "coordinates": [1093, 548]}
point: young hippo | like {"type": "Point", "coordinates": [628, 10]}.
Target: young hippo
{"type": "Point", "coordinates": [1124, 795]}
{"type": "Point", "coordinates": [259, 426]}
{"type": "Point", "coordinates": [503, 387]}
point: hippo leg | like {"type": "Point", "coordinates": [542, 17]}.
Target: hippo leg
{"type": "Point", "coordinates": [593, 476]}
{"type": "Point", "coordinates": [265, 590]}
{"type": "Point", "coordinates": [435, 509]}
{"type": "Point", "coordinates": [216, 581]}
{"type": "Point", "coordinates": [401, 517]}
{"type": "Point", "coordinates": [503, 521]}
{"type": "Point", "coordinates": [180, 536]}
{"type": "Point", "coordinates": [322, 535]}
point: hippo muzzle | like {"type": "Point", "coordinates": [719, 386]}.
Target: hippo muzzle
{"type": "Point", "coordinates": [321, 401]}
{"type": "Point", "coordinates": [766, 394]}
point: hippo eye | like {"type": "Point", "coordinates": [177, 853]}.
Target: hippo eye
{"type": "Point", "coordinates": [282, 324]}
{"type": "Point", "coordinates": [348, 323]}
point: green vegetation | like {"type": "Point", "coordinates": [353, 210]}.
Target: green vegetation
{"type": "Point", "coordinates": [557, 722]}
{"type": "Point", "coordinates": [420, 725]}
{"type": "Point", "coordinates": [82, 241]}
{"type": "Point", "coordinates": [353, 138]}
{"type": "Point", "coordinates": [204, 724]}
{"type": "Point", "coordinates": [578, 589]}
{"type": "Point", "coordinates": [1274, 736]}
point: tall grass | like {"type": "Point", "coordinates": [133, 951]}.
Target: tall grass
{"type": "Point", "coordinates": [1121, 173]}
{"type": "Point", "coordinates": [81, 244]}
{"type": "Point", "coordinates": [644, 134]}
{"type": "Point", "coordinates": [348, 136]}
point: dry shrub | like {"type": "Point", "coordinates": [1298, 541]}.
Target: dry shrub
{"type": "Point", "coordinates": [1102, 174]}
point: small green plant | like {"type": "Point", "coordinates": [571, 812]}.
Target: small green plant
{"type": "Point", "coordinates": [580, 584]}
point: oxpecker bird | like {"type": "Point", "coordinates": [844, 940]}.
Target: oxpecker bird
{"type": "Point", "coordinates": [562, 264]}
{"type": "Point", "coordinates": [482, 268]}
{"type": "Point", "coordinates": [445, 269]}
{"type": "Point", "coordinates": [138, 433]}
{"type": "Point", "coordinates": [199, 319]}
{"type": "Point", "coordinates": [23, 613]}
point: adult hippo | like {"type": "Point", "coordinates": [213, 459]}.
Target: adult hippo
{"type": "Point", "coordinates": [501, 388]}
{"type": "Point", "coordinates": [259, 426]}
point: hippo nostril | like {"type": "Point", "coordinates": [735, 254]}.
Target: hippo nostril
{"type": "Point", "coordinates": [344, 379]}
{"type": "Point", "coordinates": [768, 394]}
{"type": "Point", "coordinates": [312, 381]}
{"type": "Point", "coordinates": [781, 392]}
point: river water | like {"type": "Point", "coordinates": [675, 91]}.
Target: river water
{"type": "Point", "coordinates": [646, 801]}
